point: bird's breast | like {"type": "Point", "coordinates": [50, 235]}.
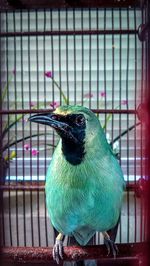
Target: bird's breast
{"type": "Point", "coordinates": [80, 195]}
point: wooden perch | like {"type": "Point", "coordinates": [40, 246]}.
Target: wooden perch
{"type": "Point", "coordinates": [44, 255]}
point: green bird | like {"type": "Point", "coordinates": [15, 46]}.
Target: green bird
{"type": "Point", "coordinates": [84, 182]}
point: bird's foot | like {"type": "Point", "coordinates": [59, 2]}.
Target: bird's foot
{"type": "Point", "coordinates": [110, 245]}
{"type": "Point", "coordinates": [58, 250]}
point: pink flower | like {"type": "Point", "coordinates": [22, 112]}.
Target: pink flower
{"type": "Point", "coordinates": [26, 147]}
{"type": "Point", "coordinates": [32, 104]}
{"type": "Point", "coordinates": [48, 74]}
{"type": "Point", "coordinates": [54, 104]}
{"type": "Point", "coordinates": [124, 102]}
{"type": "Point", "coordinates": [88, 95]}
{"type": "Point", "coordinates": [102, 94]}
{"type": "Point", "coordinates": [34, 152]}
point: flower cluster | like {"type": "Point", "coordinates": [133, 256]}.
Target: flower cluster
{"type": "Point", "coordinates": [33, 151]}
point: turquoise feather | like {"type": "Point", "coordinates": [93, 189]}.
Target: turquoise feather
{"type": "Point", "coordinates": [85, 198]}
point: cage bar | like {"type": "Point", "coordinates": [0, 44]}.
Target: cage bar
{"type": "Point", "coordinates": [98, 111]}
{"type": "Point", "coordinates": [70, 32]}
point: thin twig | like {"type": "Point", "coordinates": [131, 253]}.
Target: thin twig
{"type": "Point", "coordinates": [124, 132]}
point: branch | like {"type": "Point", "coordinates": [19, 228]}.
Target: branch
{"type": "Point", "coordinates": [25, 138]}
{"type": "Point", "coordinates": [124, 133]}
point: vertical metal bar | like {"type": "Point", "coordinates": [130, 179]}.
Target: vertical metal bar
{"type": "Point", "coordinates": [52, 55]}
{"type": "Point", "coordinates": [93, 240]}
{"type": "Point", "coordinates": [16, 162]}
{"type": "Point", "coordinates": [113, 66]}
{"type": "Point", "coordinates": [120, 90]}
{"type": "Point", "coordinates": [143, 143]}
{"type": "Point", "coordinates": [67, 56]}
{"type": "Point", "coordinates": [90, 47]}
{"type": "Point", "coordinates": [145, 209]}
{"type": "Point", "coordinates": [2, 162]}
{"type": "Point", "coordinates": [8, 106]}
{"type": "Point", "coordinates": [141, 126]}
{"type": "Point", "coordinates": [22, 103]}
{"type": "Point", "coordinates": [38, 162]}
{"type": "Point", "coordinates": [127, 81]}
{"type": "Point", "coordinates": [45, 129]}
{"type": "Point", "coordinates": [105, 76]}
{"type": "Point", "coordinates": [97, 41]}
{"type": "Point", "coordinates": [82, 66]}
{"type": "Point", "coordinates": [59, 54]}
{"type": "Point", "coordinates": [144, 85]}
{"type": "Point", "coordinates": [74, 42]}
{"type": "Point", "coordinates": [30, 131]}
{"type": "Point", "coordinates": [135, 137]}
{"type": "Point", "coordinates": [97, 45]}
{"type": "Point", "coordinates": [52, 59]}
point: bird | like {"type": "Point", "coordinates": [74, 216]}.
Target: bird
{"type": "Point", "coordinates": [84, 181]}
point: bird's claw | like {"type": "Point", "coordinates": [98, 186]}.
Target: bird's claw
{"type": "Point", "coordinates": [111, 247]}
{"type": "Point", "coordinates": [58, 250]}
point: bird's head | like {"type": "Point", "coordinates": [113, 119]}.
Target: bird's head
{"type": "Point", "coordinates": [76, 125]}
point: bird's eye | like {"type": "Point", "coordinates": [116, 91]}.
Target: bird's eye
{"type": "Point", "coordinates": [80, 120]}
{"type": "Point", "coordinates": [55, 117]}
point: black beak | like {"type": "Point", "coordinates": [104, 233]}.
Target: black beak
{"type": "Point", "coordinates": [51, 120]}
{"type": "Point", "coordinates": [55, 121]}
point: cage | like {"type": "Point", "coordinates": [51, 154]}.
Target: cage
{"type": "Point", "coordinates": [95, 55]}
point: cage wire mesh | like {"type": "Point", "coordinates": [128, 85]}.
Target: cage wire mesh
{"type": "Point", "coordinates": [95, 59]}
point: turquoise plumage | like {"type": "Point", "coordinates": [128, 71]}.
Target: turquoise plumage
{"type": "Point", "coordinates": [85, 195]}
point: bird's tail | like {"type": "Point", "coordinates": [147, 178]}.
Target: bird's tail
{"type": "Point", "coordinates": [83, 235]}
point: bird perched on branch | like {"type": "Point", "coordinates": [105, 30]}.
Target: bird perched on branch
{"type": "Point", "coordinates": [84, 182]}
